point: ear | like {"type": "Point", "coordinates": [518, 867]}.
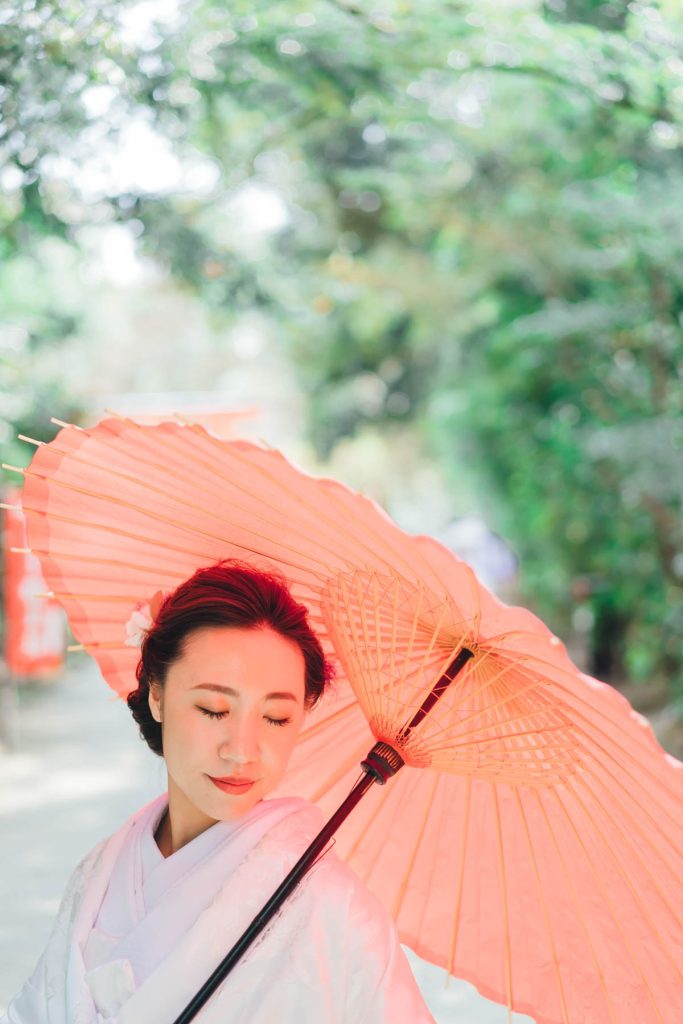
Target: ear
{"type": "Point", "coordinates": [154, 700]}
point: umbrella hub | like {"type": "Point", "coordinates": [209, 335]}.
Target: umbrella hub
{"type": "Point", "coordinates": [382, 762]}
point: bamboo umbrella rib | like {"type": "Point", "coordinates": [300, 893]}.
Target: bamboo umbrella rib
{"type": "Point", "coordinates": [544, 908]}
{"type": "Point", "coordinates": [346, 766]}
{"type": "Point", "coordinates": [576, 903]}
{"type": "Point", "coordinates": [417, 841]}
{"type": "Point", "coordinates": [69, 426]}
{"type": "Point", "coordinates": [620, 869]}
{"type": "Point", "coordinates": [379, 665]}
{"type": "Point", "coordinates": [432, 870]}
{"type": "Point", "coordinates": [575, 700]}
{"type": "Point", "coordinates": [594, 730]}
{"type": "Point", "coordinates": [455, 926]}
{"type": "Point", "coordinates": [98, 561]}
{"type": "Point", "coordinates": [483, 734]}
{"type": "Point", "coordinates": [495, 640]}
{"type": "Point", "coordinates": [32, 440]}
{"type": "Point", "coordinates": [606, 900]}
{"type": "Point", "coordinates": [643, 812]}
{"type": "Point", "coordinates": [100, 645]}
{"type": "Point", "coordinates": [175, 523]}
{"type": "Point", "coordinates": [100, 598]}
{"type": "Point", "coordinates": [168, 494]}
{"type": "Point", "coordinates": [367, 643]}
{"type": "Point", "coordinates": [363, 640]}
{"type": "Point", "coordinates": [521, 751]}
{"type": "Point", "coordinates": [393, 645]}
{"type": "Point", "coordinates": [409, 647]}
{"type": "Point", "coordinates": [343, 599]}
{"type": "Point", "coordinates": [107, 529]}
{"type": "Point", "coordinates": [621, 764]}
{"type": "Point", "coordinates": [312, 730]}
{"type": "Point", "coordinates": [426, 655]}
{"type": "Point", "coordinates": [478, 667]}
{"type": "Point", "coordinates": [361, 833]}
{"type": "Point", "coordinates": [509, 698]}
{"type": "Point", "coordinates": [504, 901]}
{"type": "Point", "coordinates": [295, 497]}
{"type": "Point", "coordinates": [378, 535]}
{"type": "Point", "coordinates": [397, 794]}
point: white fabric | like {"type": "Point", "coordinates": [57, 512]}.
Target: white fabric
{"type": "Point", "coordinates": [331, 955]}
{"type": "Point", "coordinates": [140, 919]}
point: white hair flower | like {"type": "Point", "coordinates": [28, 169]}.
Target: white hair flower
{"type": "Point", "coordinates": [138, 626]}
{"type": "Point", "coordinates": [142, 619]}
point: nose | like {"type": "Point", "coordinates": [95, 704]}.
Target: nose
{"type": "Point", "coordinates": [240, 743]}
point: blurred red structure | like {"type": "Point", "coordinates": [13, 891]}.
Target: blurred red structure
{"type": "Point", "coordinates": [35, 635]}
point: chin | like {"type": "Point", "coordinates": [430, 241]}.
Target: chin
{"type": "Point", "coordinates": [229, 806]}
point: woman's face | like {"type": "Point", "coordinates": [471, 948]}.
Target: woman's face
{"type": "Point", "coordinates": [230, 710]}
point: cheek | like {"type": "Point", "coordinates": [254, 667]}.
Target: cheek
{"type": "Point", "coordinates": [184, 732]}
{"type": "Point", "coordinates": [282, 746]}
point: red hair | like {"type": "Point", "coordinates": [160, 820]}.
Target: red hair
{"type": "Point", "coordinates": [226, 594]}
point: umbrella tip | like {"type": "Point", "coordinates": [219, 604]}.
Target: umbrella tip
{"type": "Point", "coordinates": [63, 423]}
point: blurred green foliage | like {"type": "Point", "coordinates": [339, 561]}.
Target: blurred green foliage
{"type": "Point", "coordinates": [476, 230]}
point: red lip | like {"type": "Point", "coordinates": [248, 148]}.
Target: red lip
{"type": "Point", "coordinates": [232, 783]}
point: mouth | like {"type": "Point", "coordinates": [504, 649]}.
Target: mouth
{"type": "Point", "coordinates": [233, 784]}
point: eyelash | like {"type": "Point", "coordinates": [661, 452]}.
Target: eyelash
{"type": "Point", "coordinates": [222, 714]}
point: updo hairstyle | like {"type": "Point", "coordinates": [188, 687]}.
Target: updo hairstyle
{"type": "Point", "coordinates": [225, 594]}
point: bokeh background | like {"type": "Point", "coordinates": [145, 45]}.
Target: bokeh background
{"type": "Point", "coordinates": [434, 249]}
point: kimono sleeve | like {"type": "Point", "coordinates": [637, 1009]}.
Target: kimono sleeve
{"type": "Point", "coordinates": [381, 985]}
{"type": "Point", "coordinates": [39, 1001]}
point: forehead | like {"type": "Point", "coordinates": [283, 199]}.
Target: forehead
{"type": "Point", "coordinates": [242, 659]}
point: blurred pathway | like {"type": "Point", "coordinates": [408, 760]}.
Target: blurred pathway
{"type": "Point", "coordinates": [77, 772]}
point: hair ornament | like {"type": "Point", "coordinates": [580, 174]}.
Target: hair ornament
{"type": "Point", "coordinates": [142, 619]}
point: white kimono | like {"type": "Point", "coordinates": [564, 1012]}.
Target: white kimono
{"type": "Point", "coordinates": [137, 936]}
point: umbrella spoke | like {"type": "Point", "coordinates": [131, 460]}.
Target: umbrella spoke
{"type": "Point", "coordinates": [504, 902]}
{"type": "Point", "coordinates": [457, 908]}
{"type": "Point", "coordinates": [416, 841]}
{"type": "Point", "coordinates": [575, 900]}
{"type": "Point", "coordinates": [544, 908]}
{"type": "Point", "coordinates": [618, 863]}
{"type": "Point", "coordinates": [601, 890]}
{"type": "Point", "coordinates": [643, 811]}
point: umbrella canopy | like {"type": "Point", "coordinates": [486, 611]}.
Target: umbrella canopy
{"type": "Point", "coordinates": [534, 843]}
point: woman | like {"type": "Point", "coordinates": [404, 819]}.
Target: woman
{"type": "Point", "coordinates": [227, 672]}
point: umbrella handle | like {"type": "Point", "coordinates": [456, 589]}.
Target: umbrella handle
{"type": "Point", "coordinates": [302, 866]}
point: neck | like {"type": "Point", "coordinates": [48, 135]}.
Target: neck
{"type": "Point", "coordinates": [181, 823]}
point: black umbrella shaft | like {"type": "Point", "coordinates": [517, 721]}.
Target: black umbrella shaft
{"type": "Point", "coordinates": [438, 690]}
{"type": "Point", "coordinates": [304, 863]}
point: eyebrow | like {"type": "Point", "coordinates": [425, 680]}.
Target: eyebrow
{"type": "Point", "coordinates": [228, 690]}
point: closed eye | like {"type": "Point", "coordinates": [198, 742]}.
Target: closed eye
{"type": "Point", "coordinates": [213, 714]}
{"type": "Point", "coordinates": [223, 714]}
